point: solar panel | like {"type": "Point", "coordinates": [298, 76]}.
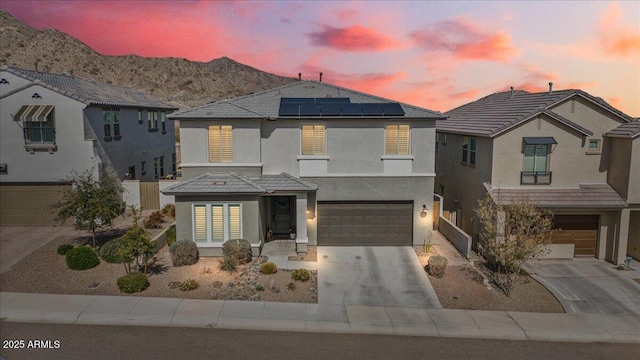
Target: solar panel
{"type": "Point", "coordinates": [392, 109]}
{"type": "Point", "coordinates": [330, 109]}
{"type": "Point", "coordinates": [351, 109]}
{"type": "Point", "coordinates": [371, 109]}
{"type": "Point", "coordinates": [309, 109]}
{"type": "Point", "coordinates": [332, 100]}
{"type": "Point", "coordinates": [296, 100]}
{"type": "Point", "coordinates": [289, 109]}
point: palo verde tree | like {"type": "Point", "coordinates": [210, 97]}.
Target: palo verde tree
{"type": "Point", "coordinates": [511, 236]}
{"type": "Point", "coordinates": [91, 204]}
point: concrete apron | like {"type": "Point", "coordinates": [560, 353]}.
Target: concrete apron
{"type": "Point", "coordinates": [373, 276]}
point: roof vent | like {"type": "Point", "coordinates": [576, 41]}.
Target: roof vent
{"type": "Point", "coordinates": [550, 87]}
{"type": "Point", "coordinates": [512, 92]}
{"type": "Point", "coordinates": [320, 76]}
{"type": "Point", "coordinates": [299, 76]}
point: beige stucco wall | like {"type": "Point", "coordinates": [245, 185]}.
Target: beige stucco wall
{"type": "Point", "coordinates": [634, 173]}
{"type": "Point", "coordinates": [633, 244]}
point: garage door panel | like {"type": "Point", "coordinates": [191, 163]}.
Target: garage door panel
{"type": "Point", "coordinates": [365, 223]}
{"type": "Point", "coordinates": [24, 205]}
{"type": "Point", "coordinates": [580, 230]}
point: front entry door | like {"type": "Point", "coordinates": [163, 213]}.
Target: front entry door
{"type": "Point", "coordinates": [281, 210]}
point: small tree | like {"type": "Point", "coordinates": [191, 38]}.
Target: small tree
{"type": "Point", "coordinates": [511, 236]}
{"type": "Point", "coordinates": [135, 244]}
{"type": "Point", "coordinates": [92, 204]}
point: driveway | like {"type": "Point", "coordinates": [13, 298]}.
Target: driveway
{"type": "Point", "coordinates": [590, 286]}
{"type": "Point", "coordinates": [16, 242]}
{"type": "Point", "coordinates": [373, 276]}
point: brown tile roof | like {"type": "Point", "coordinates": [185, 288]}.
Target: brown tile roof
{"type": "Point", "coordinates": [630, 129]}
{"type": "Point", "coordinates": [586, 196]}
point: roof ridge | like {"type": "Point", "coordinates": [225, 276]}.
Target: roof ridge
{"type": "Point", "coordinates": [298, 180]}
{"type": "Point", "coordinates": [248, 181]}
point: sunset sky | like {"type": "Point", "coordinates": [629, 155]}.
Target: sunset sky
{"type": "Point", "coordinates": [434, 54]}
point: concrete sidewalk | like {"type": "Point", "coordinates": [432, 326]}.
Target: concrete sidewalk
{"type": "Point", "coordinates": [145, 311]}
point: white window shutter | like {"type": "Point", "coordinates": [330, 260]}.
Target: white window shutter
{"type": "Point", "coordinates": [403, 140]}
{"type": "Point", "coordinates": [318, 139]}
{"type": "Point", "coordinates": [217, 223]}
{"type": "Point", "coordinates": [200, 217]}
{"type": "Point", "coordinates": [226, 143]}
{"type": "Point", "coordinates": [214, 144]}
{"type": "Point", "coordinates": [390, 141]}
{"type": "Point", "coordinates": [234, 222]}
{"type": "Point", "coordinates": [307, 139]}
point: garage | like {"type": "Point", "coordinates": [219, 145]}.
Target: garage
{"type": "Point", "coordinates": [365, 223]}
{"type": "Point", "coordinates": [28, 205]}
{"type": "Point", "coordinates": [579, 230]}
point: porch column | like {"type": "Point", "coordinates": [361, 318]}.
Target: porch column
{"type": "Point", "coordinates": [301, 223]}
{"type": "Point", "coordinates": [620, 249]}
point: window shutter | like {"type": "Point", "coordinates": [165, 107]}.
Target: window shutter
{"type": "Point", "coordinates": [403, 140]}
{"type": "Point", "coordinates": [200, 223]}
{"type": "Point", "coordinates": [217, 223]}
{"type": "Point", "coordinates": [226, 143]}
{"type": "Point", "coordinates": [234, 222]}
{"type": "Point", "coordinates": [214, 144]}
{"type": "Point", "coordinates": [307, 140]}
{"type": "Point", "coordinates": [318, 140]}
{"type": "Point", "coordinates": [391, 136]}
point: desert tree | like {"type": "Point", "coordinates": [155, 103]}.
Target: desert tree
{"type": "Point", "coordinates": [91, 204]}
{"type": "Point", "coordinates": [135, 244]}
{"type": "Point", "coordinates": [510, 236]}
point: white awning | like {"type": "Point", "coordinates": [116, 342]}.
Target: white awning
{"type": "Point", "coordinates": [34, 113]}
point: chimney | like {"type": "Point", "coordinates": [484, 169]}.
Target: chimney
{"type": "Point", "coordinates": [512, 92]}
{"type": "Point", "coordinates": [299, 76]}
{"type": "Point", "coordinates": [320, 76]}
{"type": "Point", "coordinates": [550, 87]}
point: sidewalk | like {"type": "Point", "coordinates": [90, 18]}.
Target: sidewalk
{"type": "Point", "coordinates": [228, 314]}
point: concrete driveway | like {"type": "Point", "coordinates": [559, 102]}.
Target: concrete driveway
{"type": "Point", "coordinates": [373, 276]}
{"type": "Point", "coordinates": [16, 242]}
{"type": "Point", "coordinates": [590, 286]}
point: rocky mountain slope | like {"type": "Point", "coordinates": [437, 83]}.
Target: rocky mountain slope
{"type": "Point", "coordinates": [180, 82]}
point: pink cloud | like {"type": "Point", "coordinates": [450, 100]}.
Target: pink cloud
{"type": "Point", "coordinates": [355, 38]}
{"type": "Point", "coordinates": [616, 37]}
{"type": "Point", "coordinates": [465, 39]}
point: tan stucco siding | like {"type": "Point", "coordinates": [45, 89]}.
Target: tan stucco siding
{"type": "Point", "coordinates": [634, 173]}
{"type": "Point", "coordinates": [588, 115]}
{"type": "Point", "coordinates": [633, 244]}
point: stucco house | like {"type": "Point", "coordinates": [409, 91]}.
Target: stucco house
{"type": "Point", "coordinates": [333, 165]}
{"type": "Point", "coordinates": [51, 125]}
{"type": "Point", "coordinates": [551, 147]}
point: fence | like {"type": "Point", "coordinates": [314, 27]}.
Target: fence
{"type": "Point", "coordinates": [147, 194]}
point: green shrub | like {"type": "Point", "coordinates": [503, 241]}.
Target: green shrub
{"type": "Point", "coordinates": [269, 268]}
{"type": "Point", "coordinates": [436, 265]}
{"type": "Point", "coordinates": [188, 285]}
{"type": "Point", "coordinates": [171, 235]}
{"type": "Point", "coordinates": [259, 287]}
{"type": "Point", "coordinates": [184, 252]}
{"type": "Point", "coordinates": [82, 258]}
{"type": "Point", "coordinates": [154, 221]}
{"type": "Point", "coordinates": [169, 210]}
{"type": "Point", "coordinates": [109, 253]}
{"type": "Point", "coordinates": [300, 275]}
{"type": "Point", "coordinates": [239, 249]}
{"type": "Point", "coordinates": [133, 282]}
{"type": "Point", "coordinates": [228, 264]}
{"type": "Point", "coordinates": [64, 249]}
{"type": "Point", "coordinates": [291, 286]}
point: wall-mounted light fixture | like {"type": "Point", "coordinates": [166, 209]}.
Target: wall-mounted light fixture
{"type": "Point", "coordinates": [309, 214]}
{"type": "Point", "coordinates": [36, 96]}
{"type": "Point", "coordinates": [424, 211]}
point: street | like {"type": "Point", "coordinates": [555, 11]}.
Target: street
{"type": "Point", "coordinates": [128, 342]}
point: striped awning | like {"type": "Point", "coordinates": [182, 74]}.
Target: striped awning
{"type": "Point", "coordinates": [34, 113]}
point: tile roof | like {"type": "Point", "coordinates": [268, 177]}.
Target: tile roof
{"type": "Point", "coordinates": [265, 104]}
{"type": "Point", "coordinates": [630, 129]}
{"type": "Point", "coordinates": [498, 112]}
{"type": "Point", "coordinates": [239, 184]}
{"type": "Point", "coordinates": [90, 92]}
{"type": "Point", "coordinates": [586, 196]}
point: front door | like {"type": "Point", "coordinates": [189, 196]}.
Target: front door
{"type": "Point", "coordinates": [281, 211]}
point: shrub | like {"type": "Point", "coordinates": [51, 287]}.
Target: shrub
{"type": "Point", "coordinates": [64, 249]}
{"type": "Point", "coordinates": [82, 258]}
{"type": "Point", "coordinates": [169, 210]}
{"type": "Point", "coordinates": [291, 286]}
{"type": "Point", "coordinates": [269, 268]}
{"type": "Point", "coordinates": [239, 249]}
{"type": "Point", "coordinates": [188, 285]}
{"type": "Point", "coordinates": [436, 265]}
{"type": "Point", "coordinates": [228, 264]}
{"type": "Point", "coordinates": [171, 235]}
{"type": "Point", "coordinates": [184, 252]}
{"type": "Point", "coordinates": [259, 287]}
{"type": "Point", "coordinates": [155, 221]}
{"type": "Point", "coordinates": [300, 275]}
{"type": "Point", "coordinates": [109, 252]}
{"type": "Point", "coordinates": [133, 282]}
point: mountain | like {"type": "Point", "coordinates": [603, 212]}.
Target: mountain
{"type": "Point", "coordinates": [177, 81]}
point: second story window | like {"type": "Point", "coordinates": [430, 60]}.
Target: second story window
{"type": "Point", "coordinates": [163, 122]}
{"type": "Point", "coordinates": [111, 120]}
{"type": "Point", "coordinates": [396, 141]}
{"type": "Point", "coordinates": [220, 143]}
{"type": "Point", "coordinates": [469, 150]}
{"type": "Point", "coordinates": [313, 140]}
{"type": "Point", "coordinates": [140, 119]}
{"type": "Point", "coordinates": [535, 165]}
{"type": "Point", "coordinates": [152, 120]}
{"type": "Point", "coordinates": [38, 124]}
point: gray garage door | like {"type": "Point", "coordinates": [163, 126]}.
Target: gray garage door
{"type": "Point", "coordinates": [25, 205]}
{"type": "Point", "coordinates": [365, 223]}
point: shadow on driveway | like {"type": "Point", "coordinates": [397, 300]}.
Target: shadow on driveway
{"type": "Point", "coordinates": [17, 242]}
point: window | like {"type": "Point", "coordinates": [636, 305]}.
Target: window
{"type": "Point", "coordinates": [437, 141]}
{"type": "Point", "coordinates": [217, 223]}
{"type": "Point", "coordinates": [116, 124]}
{"type": "Point", "coordinates": [535, 166]}
{"type": "Point", "coordinates": [313, 140]}
{"type": "Point", "coordinates": [594, 146]}
{"type": "Point", "coordinates": [173, 163]}
{"type": "Point", "coordinates": [161, 166]}
{"type": "Point", "coordinates": [155, 167]}
{"type": "Point", "coordinates": [140, 121]}
{"type": "Point", "coordinates": [163, 122]}
{"type": "Point", "coordinates": [444, 139]}
{"type": "Point", "coordinates": [142, 170]}
{"type": "Point", "coordinates": [111, 117]}
{"type": "Point", "coordinates": [38, 124]}
{"type": "Point", "coordinates": [220, 143]}
{"type": "Point", "coordinates": [396, 140]}
{"type": "Point", "coordinates": [152, 119]}
{"type": "Point", "coordinates": [469, 150]}
{"type": "Point", "coordinates": [106, 119]}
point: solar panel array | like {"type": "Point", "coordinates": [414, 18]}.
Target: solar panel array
{"type": "Point", "coordinates": [336, 107]}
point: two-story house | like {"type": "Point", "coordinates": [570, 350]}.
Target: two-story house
{"type": "Point", "coordinates": [52, 125]}
{"type": "Point", "coordinates": [335, 166]}
{"type": "Point", "coordinates": [548, 147]}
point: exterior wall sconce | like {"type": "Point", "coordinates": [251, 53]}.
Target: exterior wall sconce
{"type": "Point", "coordinates": [309, 214]}
{"type": "Point", "coordinates": [36, 96]}
{"type": "Point", "coordinates": [424, 211]}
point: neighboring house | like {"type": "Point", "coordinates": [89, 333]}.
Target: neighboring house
{"type": "Point", "coordinates": [548, 147]}
{"type": "Point", "coordinates": [336, 166]}
{"type": "Point", "coordinates": [52, 125]}
{"type": "Point", "coordinates": [624, 177]}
